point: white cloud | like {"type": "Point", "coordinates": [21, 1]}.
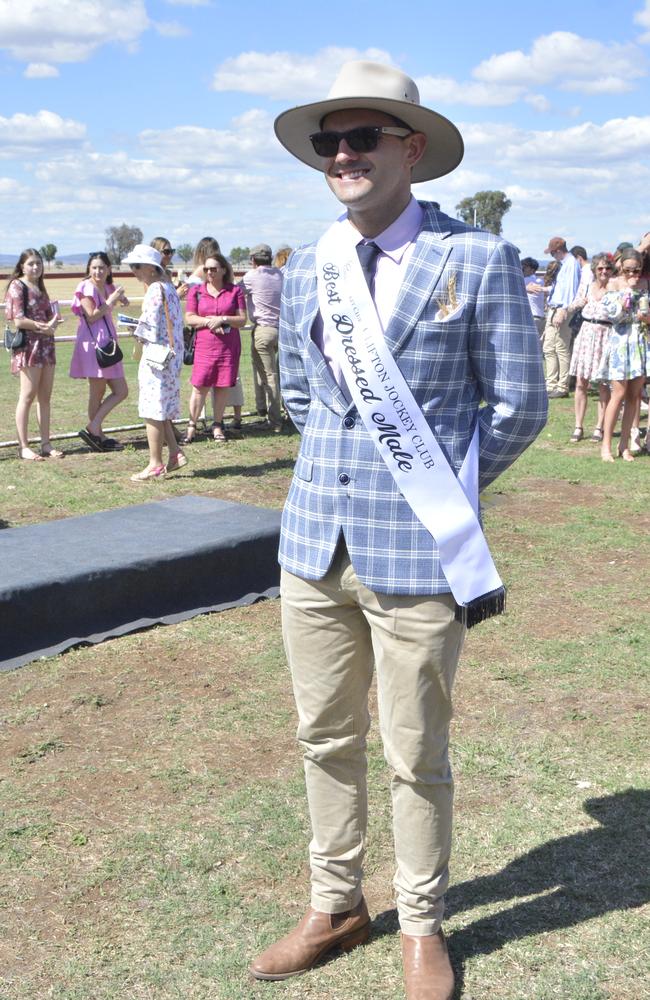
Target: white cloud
{"type": "Point", "coordinates": [11, 189]}
{"type": "Point", "coordinates": [436, 90]}
{"type": "Point", "coordinates": [564, 59]}
{"type": "Point", "coordinates": [642, 17]}
{"type": "Point", "coordinates": [68, 30]}
{"type": "Point", "coordinates": [538, 102]}
{"type": "Point", "coordinates": [40, 71]}
{"type": "Point", "coordinates": [286, 75]}
{"type": "Point", "coordinates": [40, 133]}
{"type": "Point", "coordinates": [619, 139]}
{"type": "Point", "coordinates": [251, 137]}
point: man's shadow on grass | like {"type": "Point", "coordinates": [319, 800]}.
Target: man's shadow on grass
{"type": "Point", "coordinates": [582, 876]}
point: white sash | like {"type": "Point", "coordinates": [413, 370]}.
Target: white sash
{"type": "Point", "coordinates": [447, 506]}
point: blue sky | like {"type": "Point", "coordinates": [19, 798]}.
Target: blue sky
{"type": "Point", "coordinates": [159, 113]}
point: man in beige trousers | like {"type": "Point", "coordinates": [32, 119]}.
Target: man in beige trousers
{"type": "Point", "coordinates": [394, 330]}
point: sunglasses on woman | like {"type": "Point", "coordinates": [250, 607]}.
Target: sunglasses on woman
{"type": "Point", "coordinates": [168, 250]}
{"type": "Point", "coordinates": [363, 139]}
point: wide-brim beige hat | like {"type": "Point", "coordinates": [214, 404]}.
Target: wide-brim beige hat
{"type": "Point", "coordinates": [376, 87]}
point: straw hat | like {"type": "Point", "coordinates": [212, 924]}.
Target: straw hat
{"type": "Point", "coordinates": [143, 254]}
{"type": "Point", "coordinates": [375, 87]}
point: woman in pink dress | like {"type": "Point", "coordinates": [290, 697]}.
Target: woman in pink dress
{"type": "Point", "coordinates": [217, 308]}
{"type": "Point", "coordinates": [28, 306]}
{"type": "Point", "coordinates": [94, 300]}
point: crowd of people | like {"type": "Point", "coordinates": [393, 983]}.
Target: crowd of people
{"type": "Point", "coordinates": [593, 318]}
{"type": "Point", "coordinates": [216, 309]}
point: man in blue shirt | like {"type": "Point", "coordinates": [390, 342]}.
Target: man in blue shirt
{"type": "Point", "coordinates": [535, 290]}
{"type": "Point", "coordinates": [557, 332]}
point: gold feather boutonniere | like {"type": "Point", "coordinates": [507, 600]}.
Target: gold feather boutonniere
{"type": "Point", "coordinates": [446, 308]}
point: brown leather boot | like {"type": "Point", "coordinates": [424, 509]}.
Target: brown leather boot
{"type": "Point", "coordinates": [427, 970]}
{"type": "Point", "coordinates": [315, 935]}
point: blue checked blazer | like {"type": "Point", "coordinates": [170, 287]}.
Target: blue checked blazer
{"type": "Point", "coordinates": [487, 353]}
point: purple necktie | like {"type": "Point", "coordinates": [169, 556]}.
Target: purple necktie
{"type": "Point", "coordinates": [368, 253]}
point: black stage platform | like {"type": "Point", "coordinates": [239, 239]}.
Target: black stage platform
{"type": "Point", "coordinates": [84, 579]}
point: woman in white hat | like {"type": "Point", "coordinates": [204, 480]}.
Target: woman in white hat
{"type": "Point", "coordinates": [161, 323]}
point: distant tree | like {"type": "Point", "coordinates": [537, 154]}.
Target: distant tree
{"type": "Point", "coordinates": [185, 251]}
{"type": "Point", "coordinates": [58, 263]}
{"type": "Point", "coordinates": [48, 252]}
{"type": "Point", "coordinates": [239, 255]}
{"type": "Point", "coordinates": [121, 239]}
{"type": "Point", "coordinates": [487, 208]}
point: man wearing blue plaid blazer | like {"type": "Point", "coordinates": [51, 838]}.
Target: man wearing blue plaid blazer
{"type": "Point", "coordinates": [362, 584]}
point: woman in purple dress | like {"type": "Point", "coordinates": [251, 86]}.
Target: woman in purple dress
{"type": "Point", "coordinates": [217, 308]}
{"type": "Point", "coordinates": [93, 302]}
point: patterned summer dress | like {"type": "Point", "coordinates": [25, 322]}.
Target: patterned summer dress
{"type": "Point", "coordinates": [628, 356]}
{"type": "Point", "coordinates": [38, 350]}
{"type": "Point", "coordinates": [160, 391]}
{"type": "Point", "coordinates": [593, 337]}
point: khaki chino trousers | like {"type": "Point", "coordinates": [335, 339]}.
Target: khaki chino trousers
{"type": "Point", "coordinates": [264, 354]}
{"type": "Point", "coordinates": [335, 631]}
{"type": "Point", "coordinates": [556, 346]}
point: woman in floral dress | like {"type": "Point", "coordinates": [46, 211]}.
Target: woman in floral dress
{"type": "Point", "coordinates": [626, 364]}
{"type": "Point", "coordinates": [590, 345]}
{"type": "Point", "coordinates": [29, 306]}
{"type": "Point", "coordinates": [159, 401]}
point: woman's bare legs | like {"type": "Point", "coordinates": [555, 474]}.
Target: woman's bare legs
{"type": "Point", "coordinates": [29, 382]}
{"type": "Point", "coordinates": [155, 440]}
{"type": "Point", "coordinates": [98, 407]}
{"type": "Point", "coordinates": [610, 417]}
{"type": "Point", "coordinates": [580, 400]}
{"type": "Point", "coordinates": [220, 397]}
{"type": "Point", "coordinates": [633, 390]}
{"type": "Point", "coordinates": [43, 398]}
{"type": "Point", "coordinates": [603, 399]}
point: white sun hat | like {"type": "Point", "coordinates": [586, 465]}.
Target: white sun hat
{"type": "Point", "coordinates": [143, 254]}
{"type": "Point", "coordinates": [376, 87]}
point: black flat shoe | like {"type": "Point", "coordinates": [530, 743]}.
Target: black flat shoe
{"type": "Point", "coordinates": [93, 441]}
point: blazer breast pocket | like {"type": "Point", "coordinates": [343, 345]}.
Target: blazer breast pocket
{"type": "Point", "coordinates": [451, 317]}
{"type": "Point", "coordinates": [304, 468]}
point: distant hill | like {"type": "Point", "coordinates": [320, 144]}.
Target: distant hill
{"type": "Point", "coordinates": [9, 259]}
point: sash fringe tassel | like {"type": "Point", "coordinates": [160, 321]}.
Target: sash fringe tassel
{"type": "Point", "coordinates": [481, 608]}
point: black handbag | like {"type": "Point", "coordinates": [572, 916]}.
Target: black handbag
{"type": "Point", "coordinates": [109, 354]}
{"type": "Point", "coordinates": [16, 339]}
{"type": "Point", "coordinates": [576, 322]}
{"type": "Point", "coordinates": [189, 340]}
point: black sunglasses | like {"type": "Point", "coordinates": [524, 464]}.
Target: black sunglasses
{"type": "Point", "coordinates": [168, 250]}
{"type": "Point", "coordinates": [362, 139]}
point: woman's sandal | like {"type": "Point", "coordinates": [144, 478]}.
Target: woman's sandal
{"type": "Point", "coordinates": [218, 433]}
{"type": "Point", "coordinates": [189, 438]}
{"type": "Point", "coordinates": [179, 462]}
{"type": "Point", "coordinates": [27, 455]}
{"type": "Point", "coordinates": [597, 436]}
{"type": "Point", "coordinates": [577, 435]}
{"type": "Point", "coordinates": [51, 452]}
{"type": "Point", "coordinates": [141, 477]}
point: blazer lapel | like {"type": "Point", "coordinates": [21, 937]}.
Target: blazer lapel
{"type": "Point", "coordinates": [422, 276]}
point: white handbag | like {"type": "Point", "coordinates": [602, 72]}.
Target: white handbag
{"type": "Point", "coordinates": [158, 356]}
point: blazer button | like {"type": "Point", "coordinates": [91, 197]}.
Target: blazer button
{"type": "Point", "coordinates": [344, 479]}
{"type": "Point", "coordinates": [349, 422]}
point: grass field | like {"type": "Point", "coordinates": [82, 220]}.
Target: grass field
{"type": "Point", "coordinates": [154, 826]}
